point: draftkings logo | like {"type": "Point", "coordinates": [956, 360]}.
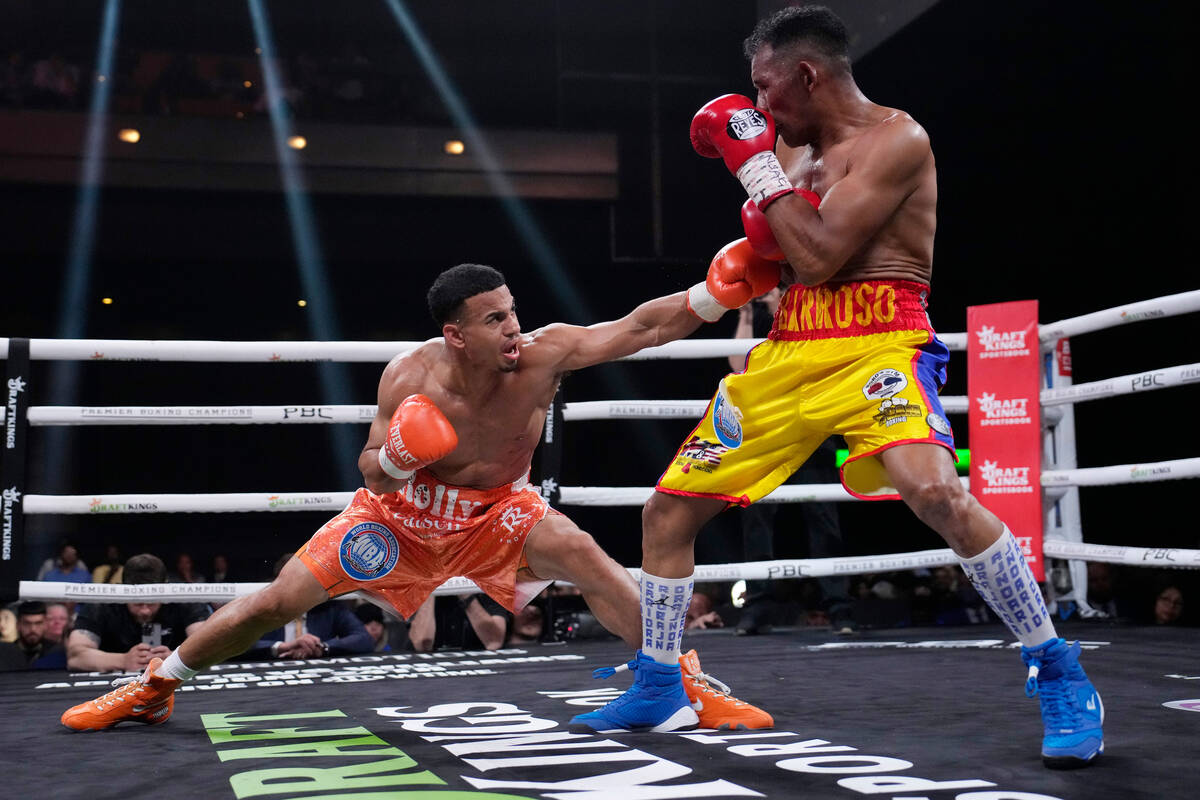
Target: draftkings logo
{"type": "Point", "coordinates": [1001, 344]}
{"type": "Point", "coordinates": [1003, 411]}
{"type": "Point", "coordinates": [15, 387]}
{"type": "Point", "coordinates": [1005, 480]}
{"type": "Point", "coordinates": [11, 497]}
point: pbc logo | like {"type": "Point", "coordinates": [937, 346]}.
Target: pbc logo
{"type": "Point", "coordinates": [1001, 344]}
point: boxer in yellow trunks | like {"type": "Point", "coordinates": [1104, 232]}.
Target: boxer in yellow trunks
{"type": "Point", "coordinates": [857, 359]}
{"type": "Point", "coordinates": [446, 493]}
{"type": "Point", "coordinates": [843, 192]}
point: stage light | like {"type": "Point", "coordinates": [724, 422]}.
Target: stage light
{"type": "Point", "coordinates": [302, 303]}
{"type": "Point", "coordinates": [454, 147]}
{"type": "Point", "coordinates": [131, 135]}
{"type": "Point", "coordinates": [108, 301]}
{"type": "Point", "coordinates": [247, 84]}
{"type": "Point", "coordinates": [297, 142]}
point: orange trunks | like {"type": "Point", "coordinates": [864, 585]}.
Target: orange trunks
{"type": "Point", "coordinates": [401, 546]}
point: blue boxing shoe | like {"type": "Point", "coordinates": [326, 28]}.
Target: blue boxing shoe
{"type": "Point", "coordinates": [656, 701]}
{"type": "Point", "coordinates": [1072, 713]}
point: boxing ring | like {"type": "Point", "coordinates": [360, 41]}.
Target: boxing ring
{"type": "Point", "coordinates": [849, 718]}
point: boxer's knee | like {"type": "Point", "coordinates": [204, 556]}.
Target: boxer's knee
{"type": "Point", "coordinates": [942, 504]}
{"type": "Point", "coordinates": [670, 521]}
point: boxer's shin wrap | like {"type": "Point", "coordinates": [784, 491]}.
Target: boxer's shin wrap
{"type": "Point", "coordinates": [664, 613]}
{"type": "Point", "coordinates": [1005, 582]}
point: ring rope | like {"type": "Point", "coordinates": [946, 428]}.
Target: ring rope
{"type": "Point", "coordinates": [1150, 380]}
{"type": "Point", "coordinates": [570, 495]}
{"type": "Point", "coordinates": [171, 350]}
{"type": "Point", "coordinates": [751, 570]}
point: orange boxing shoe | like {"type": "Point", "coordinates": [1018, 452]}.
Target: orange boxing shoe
{"type": "Point", "coordinates": [715, 706]}
{"type": "Point", "coordinates": [148, 698]}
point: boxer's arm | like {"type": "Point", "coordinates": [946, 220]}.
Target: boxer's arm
{"type": "Point", "coordinates": [881, 174]}
{"type": "Point", "coordinates": [396, 383]}
{"type": "Point", "coordinates": [655, 322]}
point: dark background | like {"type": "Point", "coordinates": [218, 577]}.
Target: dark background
{"type": "Point", "coordinates": [1066, 174]}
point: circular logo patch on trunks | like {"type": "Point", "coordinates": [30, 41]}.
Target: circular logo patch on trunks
{"type": "Point", "coordinates": [368, 551]}
{"type": "Point", "coordinates": [726, 422]}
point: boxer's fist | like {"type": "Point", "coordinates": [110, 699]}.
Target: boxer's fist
{"type": "Point", "coordinates": [736, 275]}
{"type": "Point", "coordinates": [419, 434]}
{"type": "Point", "coordinates": [731, 128]}
{"type": "Point", "coordinates": [759, 232]}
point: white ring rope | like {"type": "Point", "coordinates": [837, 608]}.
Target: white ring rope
{"type": "Point", "coordinates": [586, 410]}
{"type": "Point", "coordinates": [569, 495]}
{"type": "Point", "coordinates": [1178, 558]}
{"type": "Point", "coordinates": [168, 350]}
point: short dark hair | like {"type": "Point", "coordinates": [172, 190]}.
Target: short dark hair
{"type": "Point", "coordinates": [368, 612]}
{"type": "Point", "coordinates": [815, 26]}
{"type": "Point", "coordinates": [31, 607]}
{"type": "Point", "coordinates": [144, 568]}
{"type": "Point", "coordinates": [456, 285]}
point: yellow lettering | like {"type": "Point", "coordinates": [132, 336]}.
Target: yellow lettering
{"type": "Point", "coordinates": [806, 304]}
{"type": "Point", "coordinates": [885, 297]}
{"type": "Point", "coordinates": [863, 297]}
{"type": "Point", "coordinates": [825, 299]}
{"type": "Point", "coordinates": [845, 307]}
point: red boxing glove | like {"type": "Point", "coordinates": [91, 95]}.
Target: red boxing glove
{"type": "Point", "coordinates": [759, 232]}
{"type": "Point", "coordinates": [736, 275]}
{"type": "Point", "coordinates": [731, 128]}
{"type": "Point", "coordinates": [419, 434]}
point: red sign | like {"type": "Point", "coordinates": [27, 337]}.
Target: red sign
{"type": "Point", "coordinates": [1004, 420]}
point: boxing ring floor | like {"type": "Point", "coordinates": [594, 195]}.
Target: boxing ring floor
{"type": "Point", "coordinates": [942, 705]}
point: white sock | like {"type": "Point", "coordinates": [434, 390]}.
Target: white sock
{"type": "Point", "coordinates": [173, 667]}
{"type": "Point", "coordinates": [664, 611]}
{"type": "Point", "coordinates": [1005, 582]}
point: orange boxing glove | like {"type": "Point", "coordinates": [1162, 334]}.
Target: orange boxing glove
{"type": "Point", "coordinates": [736, 275]}
{"type": "Point", "coordinates": [419, 434]}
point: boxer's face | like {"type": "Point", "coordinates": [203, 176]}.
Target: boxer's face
{"type": "Point", "coordinates": [490, 330]}
{"type": "Point", "coordinates": [781, 92]}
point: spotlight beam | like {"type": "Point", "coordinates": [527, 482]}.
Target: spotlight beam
{"type": "Point", "coordinates": [552, 269]}
{"type": "Point", "coordinates": [321, 310]}
{"type": "Point", "coordinates": [73, 305]}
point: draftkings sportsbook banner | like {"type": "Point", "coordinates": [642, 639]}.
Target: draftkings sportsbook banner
{"type": "Point", "coordinates": [1004, 421]}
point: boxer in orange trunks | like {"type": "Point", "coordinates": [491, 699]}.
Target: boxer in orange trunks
{"type": "Point", "coordinates": [446, 492]}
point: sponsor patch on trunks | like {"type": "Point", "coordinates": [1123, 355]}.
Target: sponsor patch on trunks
{"type": "Point", "coordinates": [368, 551]}
{"type": "Point", "coordinates": [884, 383]}
{"type": "Point", "coordinates": [727, 420]}
{"type": "Point", "coordinates": [938, 423]}
{"type": "Point", "coordinates": [897, 410]}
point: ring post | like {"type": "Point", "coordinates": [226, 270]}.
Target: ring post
{"type": "Point", "coordinates": [12, 467]}
{"type": "Point", "coordinates": [1063, 518]}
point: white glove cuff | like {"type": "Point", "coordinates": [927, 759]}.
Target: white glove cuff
{"type": "Point", "coordinates": [392, 469]}
{"type": "Point", "coordinates": [701, 303]}
{"type": "Point", "coordinates": [763, 177]}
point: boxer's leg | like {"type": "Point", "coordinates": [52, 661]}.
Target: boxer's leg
{"type": "Point", "coordinates": [1072, 712]}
